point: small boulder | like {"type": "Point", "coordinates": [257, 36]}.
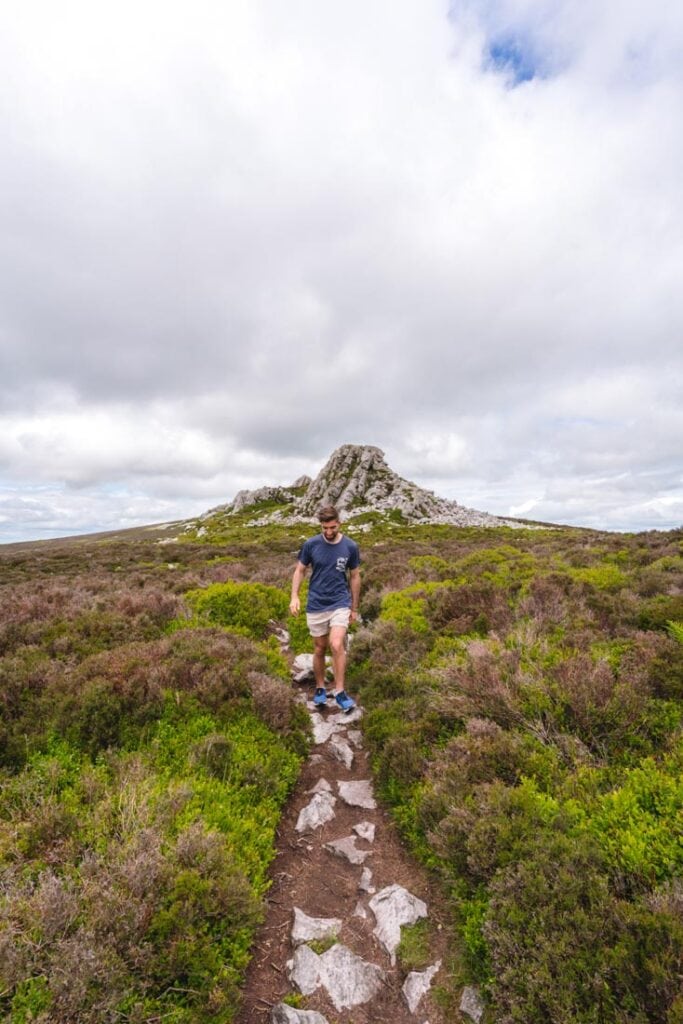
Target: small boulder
{"type": "Point", "coordinates": [283, 1014]}
{"type": "Point", "coordinates": [341, 750]}
{"type": "Point", "coordinates": [347, 850]}
{"type": "Point", "coordinates": [358, 794]}
{"type": "Point", "coordinates": [319, 811]}
{"type": "Point", "coordinates": [393, 907]}
{"type": "Point", "coordinates": [365, 830]}
{"type": "Point", "coordinates": [307, 929]}
{"type": "Point", "coordinates": [471, 1003]}
{"type": "Point", "coordinates": [417, 984]}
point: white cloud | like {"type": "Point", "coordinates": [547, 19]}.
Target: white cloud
{"type": "Point", "coordinates": [230, 242]}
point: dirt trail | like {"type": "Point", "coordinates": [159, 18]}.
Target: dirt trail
{"type": "Point", "coordinates": [308, 876]}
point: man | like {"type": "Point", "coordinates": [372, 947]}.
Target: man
{"type": "Point", "coordinates": [332, 600]}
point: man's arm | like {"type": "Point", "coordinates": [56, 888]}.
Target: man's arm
{"type": "Point", "coordinates": [354, 583]}
{"type": "Point", "coordinates": [299, 573]}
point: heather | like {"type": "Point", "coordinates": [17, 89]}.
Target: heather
{"type": "Point", "coordinates": [524, 707]}
{"type": "Point", "coordinates": [146, 751]}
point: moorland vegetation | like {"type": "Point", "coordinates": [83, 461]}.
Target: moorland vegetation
{"type": "Point", "coordinates": [523, 692]}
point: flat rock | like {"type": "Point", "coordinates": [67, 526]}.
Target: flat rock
{"type": "Point", "coordinates": [471, 1003]}
{"type": "Point", "coordinates": [306, 929]}
{"type": "Point", "coordinates": [365, 884]}
{"type": "Point", "coordinates": [358, 794]}
{"type": "Point", "coordinates": [283, 1014]}
{"type": "Point", "coordinates": [347, 850]}
{"type": "Point", "coordinates": [319, 811]}
{"type": "Point", "coordinates": [323, 728]}
{"type": "Point", "coordinates": [417, 984]}
{"type": "Point", "coordinates": [356, 737]}
{"type": "Point", "coordinates": [365, 830]}
{"type": "Point", "coordinates": [347, 718]}
{"type": "Point", "coordinates": [393, 907]}
{"type": "Point", "coordinates": [302, 668]}
{"type": "Point", "coordinates": [321, 786]}
{"type": "Point", "coordinates": [341, 750]}
{"type": "Point", "coordinates": [348, 979]}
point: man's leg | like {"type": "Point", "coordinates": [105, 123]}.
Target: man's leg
{"type": "Point", "coordinates": [338, 649]}
{"type": "Point", "coordinates": [319, 659]}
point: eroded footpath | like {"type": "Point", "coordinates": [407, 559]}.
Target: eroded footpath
{"type": "Point", "coordinates": [343, 886]}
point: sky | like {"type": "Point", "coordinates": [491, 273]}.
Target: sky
{"type": "Point", "coordinates": [239, 233]}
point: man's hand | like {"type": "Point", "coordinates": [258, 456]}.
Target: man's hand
{"type": "Point", "coordinates": [354, 617]}
{"type": "Point", "coordinates": [295, 606]}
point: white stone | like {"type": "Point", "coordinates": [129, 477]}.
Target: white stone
{"type": "Point", "coordinates": [347, 850]}
{"type": "Point", "coordinates": [358, 794]}
{"type": "Point", "coordinates": [306, 929]}
{"type": "Point", "coordinates": [302, 668]}
{"type": "Point", "coordinates": [471, 1003]}
{"type": "Point", "coordinates": [322, 729]}
{"type": "Point", "coordinates": [360, 911]}
{"type": "Point", "coordinates": [356, 737]}
{"type": "Point", "coordinates": [321, 786]}
{"type": "Point", "coordinates": [394, 907]}
{"type": "Point", "coordinates": [417, 984]}
{"type": "Point", "coordinates": [346, 718]}
{"type": "Point", "coordinates": [319, 811]}
{"type": "Point", "coordinates": [365, 884]}
{"type": "Point", "coordinates": [348, 979]}
{"type": "Point", "coordinates": [283, 1014]}
{"type": "Point", "coordinates": [341, 750]}
{"type": "Point", "coordinates": [365, 830]}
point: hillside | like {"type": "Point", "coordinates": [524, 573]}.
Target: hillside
{"type": "Point", "coordinates": [523, 699]}
{"type": "Point", "coordinates": [358, 482]}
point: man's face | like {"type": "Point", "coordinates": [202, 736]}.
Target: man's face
{"type": "Point", "coordinates": [330, 529]}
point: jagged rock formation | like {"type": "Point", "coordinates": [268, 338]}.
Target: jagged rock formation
{"type": "Point", "coordinates": [356, 480]}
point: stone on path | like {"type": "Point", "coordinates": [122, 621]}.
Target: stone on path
{"type": "Point", "coordinates": [321, 786]}
{"type": "Point", "coordinates": [283, 1014]}
{"type": "Point", "coordinates": [347, 850]}
{"type": "Point", "coordinates": [317, 813]}
{"type": "Point", "coordinates": [302, 668]}
{"type": "Point", "coordinates": [356, 737]}
{"type": "Point", "coordinates": [393, 907]}
{"type": "Point", "coordinates": [471, 1003]}
{"type": "Point", "coordinates": [341, 750]}
{"type": "Point", "coordinates": [348, 979]}
{"type": "Point", "coordinates": [347, 718]}
{"type": "Point", "coordinates": [417, 984]}
{"type": "Point", "coordinates": [358, 794]}
{"type": "Point", "coordinates": [322, 729]}
{"type": "Point", "coordinates": [306, 929]}
{"type": "Point", "coordinates": [365, 884]}
{"type": "Point", "coordinates": [365, 830]}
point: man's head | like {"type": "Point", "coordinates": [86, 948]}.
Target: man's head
{"type": "Point", "coordinates": [328, 518]}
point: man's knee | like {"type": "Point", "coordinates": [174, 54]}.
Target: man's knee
{"type": "Point", "coordinates": [320, 644]}
{"type": "Point", "coordinates": [337, 644]}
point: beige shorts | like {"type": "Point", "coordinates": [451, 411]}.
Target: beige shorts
{"type": "Point", "coordinates": [320, 623]}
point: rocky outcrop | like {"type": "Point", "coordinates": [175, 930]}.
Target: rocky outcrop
{"type": "Point", "coordinates": [356, 480]}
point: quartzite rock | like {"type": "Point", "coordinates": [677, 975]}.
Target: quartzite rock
{"type": "Point", "coordinates": [393, 907]}
{"type": "Point", "coordinates": [307, 929]}
{"type": "Point", "coordinates": [341, 750]}
{"type": "Point", "coordinates": [365, 830]}
{"type": "Point", "coordinates": [346, 849]}
{"type": "Point", "coordinates": [471, 1003]}
{"type": "Point", "coordinates": [283, 1014]}
{"type": "Point", "coordinates": [358, 794]}
{"type": "Point", "coordinates": [317, 813]}
{"type": "Point", "coordinates": [417, 984]}
{"type": "Point", "coordinates": [348, 979]}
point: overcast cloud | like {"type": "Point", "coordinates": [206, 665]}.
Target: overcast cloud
{"type": "Point", "coordinates": [234, 235]}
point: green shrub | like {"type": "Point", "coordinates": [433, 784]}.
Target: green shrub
{"type": "Point", "coordinates": [246, 606]}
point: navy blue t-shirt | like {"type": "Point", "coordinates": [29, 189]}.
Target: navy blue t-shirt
{"type": "Point", "coordinates": [329, 586]}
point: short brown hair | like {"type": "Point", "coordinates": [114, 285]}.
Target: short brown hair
{"type": "Point", "coordinates": [327, 514]}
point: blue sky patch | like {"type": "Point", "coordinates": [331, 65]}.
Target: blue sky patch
{"type": "Point", "coordinates": [510, 55]}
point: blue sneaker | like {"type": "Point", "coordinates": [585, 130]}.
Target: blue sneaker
{"type": "Point", "coordinates": [345, 702]}
{"type": "Point", "coordinates": [320, 697]}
